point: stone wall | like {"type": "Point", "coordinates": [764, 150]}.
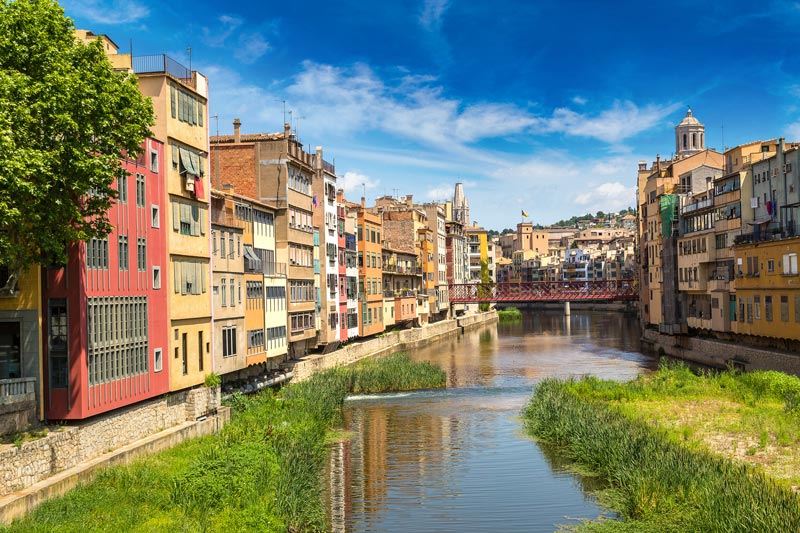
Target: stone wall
{"type": "Point", "coordinates": [720, 354]}
{"type": "Point", "coordinates": [68, 446]}
{"type": "Point", "coordinates": [472, 321]}
{"type": "Point", "coordinates": [405, 339]}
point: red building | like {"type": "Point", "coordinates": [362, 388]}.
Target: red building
{"type": "Point", "coordinates": [342, 244]}
{"type": "Point", "coordinates": [105, 312]}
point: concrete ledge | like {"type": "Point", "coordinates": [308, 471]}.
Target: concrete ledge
{"type": "Point", "coordinates": [21, 502]}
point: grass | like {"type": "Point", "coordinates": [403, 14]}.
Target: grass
{"type": "Point", "coordinates": [509, 314]}
{"type": "Point", "coordinates": [664, 444]}
{"type": "Point", "coordinates": [263, 472]}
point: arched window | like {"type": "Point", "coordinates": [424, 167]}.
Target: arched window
{"type": "Point", "coordinates": [684, 141]}
{"type": "Point", "coordinates": [702, 146]}
{"type": "Point", "coordinates": [694, 141]}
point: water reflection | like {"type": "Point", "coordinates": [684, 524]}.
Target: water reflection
{"type": "Point", "coordinates": [456, 460]}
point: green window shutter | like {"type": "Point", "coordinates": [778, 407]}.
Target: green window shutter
{"type": "Point", "coordinates": [195, 220]}
{"type": "Point", "coordinates": [176, 277]}
{"type": "Point", "coordinates": [203, 276]}
{"type": "Point", "coordinates": [176, 216]}
{"type": "Point", "coordinates": [202, 165]}
{"type": "Point", "coordinates": [202, 221]}
{"type": "Point", "coordinates": [172, 99]}
{"type": "Point", "coordinates": [175, 156]}
{"type": "Point", "coordinates": [199, 113]}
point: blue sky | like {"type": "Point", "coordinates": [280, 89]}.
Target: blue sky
{"type": "Point", "coordinates": [541, 106]}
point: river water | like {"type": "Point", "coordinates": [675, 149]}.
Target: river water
{"type": "Point", "coordinates": [458, 460]}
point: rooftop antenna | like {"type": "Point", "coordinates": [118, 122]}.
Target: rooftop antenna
{"type": "Point", "coordinates": [216, 119]}
{"type": "Point", "coordinates": [189, 50]}
{"type": "Point", "coordinates": [296, 123]}
{"type": "Point", "coordinates": [284, 109]}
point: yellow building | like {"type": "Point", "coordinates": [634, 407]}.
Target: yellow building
{"type": "Point", "coordinates": [20, 344]}
{"type": "Point", "coordinates": [180, 98]}
{"type": "Point", "coordinates": [768, 288]}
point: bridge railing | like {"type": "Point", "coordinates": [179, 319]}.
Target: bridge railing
{"type": "Point", "coordinates": [545, 291]}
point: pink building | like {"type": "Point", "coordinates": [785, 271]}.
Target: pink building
{"type": "Point", "coordinates": [105, 313]}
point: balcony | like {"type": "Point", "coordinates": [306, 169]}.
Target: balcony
{"type": "Point", "coordinates": [162, 63]}
{"type": "Point", "coordinates": [773, 233]}
{"type": "Point", "coordinates": [695, 206]}
{"type": "Point", "coordinates": [226, 218]}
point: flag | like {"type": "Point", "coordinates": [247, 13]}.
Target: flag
{"type": "Point", "coordinates": [524, 214]}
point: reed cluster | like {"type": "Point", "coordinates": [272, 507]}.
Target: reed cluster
{"type": "Point", "coordinates": [656, 483]}
{"type": "Point", "coordinates": [263, 472]}
{"type": "Point", "coordinates": [509, 314]}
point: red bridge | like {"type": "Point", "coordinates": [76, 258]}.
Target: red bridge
{"type": "Point", "coordinates": [545, 291]}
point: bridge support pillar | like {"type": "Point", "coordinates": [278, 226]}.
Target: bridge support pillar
{"type": "Point", "coordinates": [566, 308]}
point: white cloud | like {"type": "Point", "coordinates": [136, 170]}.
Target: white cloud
{"type": "Point", "coordinates": [580, 100]}
{"type": "Point", "coordinates": [622, 121]}
{"type": "Point", "coordinates": [792, 131]}
{"type": "Point", "coordinates": [442, 192]}
{"type": "Point", "coordinates": [216, 37]}
{"type": "Point", "coordinates": [107, 12]}
{"type": "Point", "coordinates": [432, 12]}
{"type": "Point", "coordinates": [251, 47]}
{"type": "Point", "coordinates": [611, 196]}
{"type": "Point", "coordinates": [355, 184]}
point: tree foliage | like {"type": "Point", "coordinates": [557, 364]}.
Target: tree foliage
{"type": "Point", "coordinates": [66, 120]}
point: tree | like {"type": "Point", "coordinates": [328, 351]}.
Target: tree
{"type": "Point", "coordinates": [66, 120]}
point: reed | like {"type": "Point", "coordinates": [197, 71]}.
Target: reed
{"type": "Point", "coordinates": [263, 472]}
{"type": "Point", "coordinates": [656, 483]}
{"type": "Point", "coordinates": [509, 314]}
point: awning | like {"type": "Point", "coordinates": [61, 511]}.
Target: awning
{"type": "Point", "coordinates": [760, 220]}
{"type": "Point", "coordinates": [254, 262]}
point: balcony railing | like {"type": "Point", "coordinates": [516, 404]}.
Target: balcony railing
{"type": "Point", "coordinates": [689, 208]}
{"type": "Point", "coordinates": [771, 233]}
{"type": "Point", "coordinates": [162, 63]}
{"type": "Point", "coordinates": [12, 389]}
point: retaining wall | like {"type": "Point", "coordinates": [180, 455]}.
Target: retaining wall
{"type": "Point", "coordinates": [720, 354]}
{"type": "Point", "coordinates": [70, 446]}
{"type": "Point", "coordinates": [405, 339]}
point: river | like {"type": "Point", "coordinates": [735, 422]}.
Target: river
{"type": "Point", "coordinates": [458, 460]}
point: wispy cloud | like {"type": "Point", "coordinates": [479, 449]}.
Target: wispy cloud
{"type": "Point", "coordinates": [580, 100]}
{"type": "Point", "coordinates": [251, 47]}
{"type": "Point", "coordinates": [622, 121]}
{"type": "Point", "coordinates": [355, 184]}
{"type": "Point", "coordinates": [611, 196]}
{"type": "Point", "coordinates": [432, 12]}
{"type": "Point", "coordinates": [216, 37]}
{"type": "Point", "coordinates": [108, 11]}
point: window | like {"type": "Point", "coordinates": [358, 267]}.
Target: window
{"type": "Point", "coordinates": [768, 308]}
{"type": "Point", "coordinates": [188, 219]}
{"type": "Point", "coordinates": [141, 255]}
{"type": "Point", "coordinates": [789, 264]}
{"type": "Point", "coordinates": [58, 337]}
{"type": "Point", "coordinates": [255, 338]}
{"type": "Point", "coordinates": [154, 161]}
{"type": "Point", "coordinates": [757, 306]}
{"type": "Point", "coordinates": [158, 363]}
{"type": "Point", "coordinates": [255, 289]}
{"type": "Point", "coordinates": [156, 277]}
{"type": "Point", "coordinates": [185, 106]}
{"type": "Point", "coordinates": [97, 254]}
{"type": "Point", "coordinates": [122, 189]}
{"type": "Point", "coordinates": [189, 277]}
{"type": "Point", "coordinates": [123, 252]}
{"type": "Point", "coordinates": [140, 193]}
{"type": "Point", "coordinates": [185, 353]}
{"type": "Point", "coordinates": [117, 338]}
{"type": "Point", "coordinates": [784, 308]}
{"type": "Point", "coordinates": [770, 265]}
{"type": "Point", "coordinates": [155, 216]}
{"type": "Point", "coordinates": [224, 293]}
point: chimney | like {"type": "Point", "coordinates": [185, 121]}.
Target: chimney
{"type": "Point", "coordinates": [236, 134]}
{"type": "Point", "coordinates": [318, 161]}
{"type": "Point", "coordinates": [658, 162]}
{"type": "Point", "coordinates": [363, 203]}
{"type": "Point", "coordinates": [410, 200]}
{"type": "Point", "coordinates": [287, 130]}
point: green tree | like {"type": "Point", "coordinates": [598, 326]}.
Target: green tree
{"type": "Point", "coordinates": [66, 119]}
{"type": "Point", "coordinates": [485, 287]}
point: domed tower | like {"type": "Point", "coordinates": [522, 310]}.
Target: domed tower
{"type": "Point", "coordinates": [689, 136]}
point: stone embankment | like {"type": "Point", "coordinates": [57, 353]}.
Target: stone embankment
{"type": "Point", "coordinates": [49, 466]}
{"type": "Point", "coordinates": [394, 341]}
{"type": "Point", "coordinates": [721, 354]}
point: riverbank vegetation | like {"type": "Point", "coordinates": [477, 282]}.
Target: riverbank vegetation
{"type": "Point", "coordinates": [509, 314]}
{"type": "Point", "coordinates": [264, 471]}
{"type": "Point", "coordinates": [681, 452]}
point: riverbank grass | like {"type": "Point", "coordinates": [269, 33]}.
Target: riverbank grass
{"type": "Point", "coordinates": [263, 472]}
{"type": "Point", "coordinates": [681, 452]}
{"type": "Point", "coordinates": [509, 314]}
